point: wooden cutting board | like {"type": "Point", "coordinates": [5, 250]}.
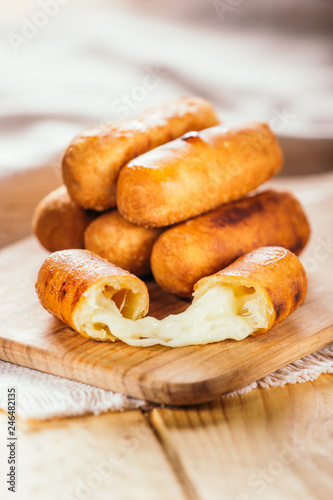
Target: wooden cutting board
{"type": "Point", "coordinates": [29, 336]}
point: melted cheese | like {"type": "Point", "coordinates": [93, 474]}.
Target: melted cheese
{"type": "Point", "coordinates": [218, 315]}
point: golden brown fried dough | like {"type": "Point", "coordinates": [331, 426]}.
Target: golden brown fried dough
{"type": "Point", "coordinates": [100, 301]}
{"type": "Point", "coordinates": [196, 173]}
{"type": "Point", "coordinates": [59, 223]}
{"type": "Point", "coordinates": [274, 273]}
{"type": "Point", "coordinates": [199, 247]}
{"type": "Point", "coordinates": [70, 283]}
{"type": "Point", "coordinates": [122, 243]}
{"type": "Point", "coordinates": [92, 161]}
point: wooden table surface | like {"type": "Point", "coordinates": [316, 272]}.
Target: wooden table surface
{"type": "Point", "coordinates": [268, 444]}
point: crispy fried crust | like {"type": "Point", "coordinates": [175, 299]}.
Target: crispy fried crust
{"type": "Point", "coordinates": [272, 271]}
{"type": "Point", "coordinates": [59, 223]}
{"type": "Point", "coordinates": [66, 276]}
{"type": "Point", "coordinates": [92, 161]}
{"type": "Point", "coordinates": [122, 243]}
{"type": "Point", "coordinates": [196, 173]}
{"type": "Point", "coordinates": [199, 247]}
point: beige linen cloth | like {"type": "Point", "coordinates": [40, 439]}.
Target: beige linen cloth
{"type": "Point", "coordinates": [88, 62]}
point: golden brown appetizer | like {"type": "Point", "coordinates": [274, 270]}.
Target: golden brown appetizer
{"type": "Point", "coordinates": [101, 301]}
{"type": "Point", "coordinates": [122, 243]}
{"type": "Point", "coordinates": [268, 285]}
{"type": "Point", "coordinates": [196, 173]}
{"type": "Point", "coordinates": [92, 161]}
{"type": "Point", "coordinates": [74, 285]}
{"type": "Point", "coordinates": [59, 223]}
{"type": "Point", "coordinates": [199, 247]}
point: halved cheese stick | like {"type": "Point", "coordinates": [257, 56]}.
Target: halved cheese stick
{"type": "Point", "coordinates": [122, 243]}
{"type": "Point", "coordinates": [100, 301]}
{"type": "Point", "coordinates": [59, 223]}
{"type": "Point", "coordinates": [197, 173]}
{"type": "Point", "coordinates": [274, 275]}
{"type": "Point", "coordinates": [71, 281]}
{"type": "Point", "coordinates": [206, 244]}
{"type": "Point", "coordinates": [92, 161]}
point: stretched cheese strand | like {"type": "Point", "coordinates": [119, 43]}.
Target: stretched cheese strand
{"type": "Point", "coordinates": [220, 313]}
{"type": "Point", "coordinates": [104, 302]}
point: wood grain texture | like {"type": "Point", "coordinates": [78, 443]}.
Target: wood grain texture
{"type": "Point", "coordinates": [31, 337]}
{"type": "Point", "coordinates": [112, 456]}
{"type": "Point", "coordinates": [271, 444]}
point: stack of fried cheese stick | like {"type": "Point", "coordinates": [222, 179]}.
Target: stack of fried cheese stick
{"type": "Point", "coordinates": [168, 193]}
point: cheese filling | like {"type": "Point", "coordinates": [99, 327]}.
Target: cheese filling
{"type": "Point", "coordinates": [220, 313]}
